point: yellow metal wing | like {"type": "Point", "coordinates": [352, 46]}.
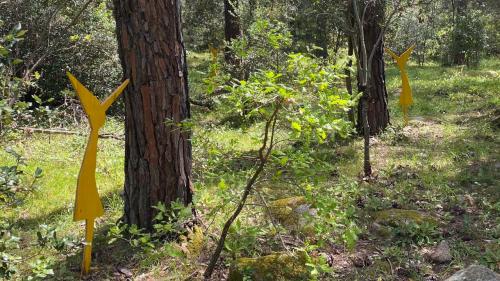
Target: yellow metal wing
{"type": "Point", "coordinates": [88, 205]}
{"type": "Point", "coordinates": [406, 98]}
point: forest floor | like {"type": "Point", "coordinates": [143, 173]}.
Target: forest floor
{"type": "Point", "coordinates": [444, 165]}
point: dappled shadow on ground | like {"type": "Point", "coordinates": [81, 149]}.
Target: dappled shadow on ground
{"type": "Point", "coordinates": [109, 261]}
{"type": "Point", "coordinates": [446, 169]}
{"type": "Point", "coordinates": [32, 222]}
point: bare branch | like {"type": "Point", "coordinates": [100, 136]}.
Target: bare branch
{"type": "Point", "coordinates": [264, 152]}
{"type": "Point", "coordinates": [50, 51]}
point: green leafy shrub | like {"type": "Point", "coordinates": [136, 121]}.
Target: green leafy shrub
{"type": "Point", "coordinates": [47, 236]}
{"type": "Point", "coordinates": [419, 233]}
{"type": "Point", "coordinates": [80, 40]}
{"type": "Point", "coordinates": [242, 239]}
{"type": "Point", "coordinates": [41, 269]}
{"type": "Point", "coordinates": [168, 224]}
{"type": "Point", "coordinates": [8, 242]}
{"type": "Point", "coordinates": [11, 187]}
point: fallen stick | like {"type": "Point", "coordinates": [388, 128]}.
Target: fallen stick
{"type": "Point", "coordinates": [66, 132]}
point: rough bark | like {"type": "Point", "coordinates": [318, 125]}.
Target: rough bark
{"type": "Point", "coordinates": [232, 27]}
{"type": "Point", "coordinates": [157, 149]}
{"type": "Point", "coordinates": [378, 113]}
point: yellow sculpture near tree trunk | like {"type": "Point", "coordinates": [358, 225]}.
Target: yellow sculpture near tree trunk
{"type": "Point", "coordinates": [88, 205]}
{"type": "Point", "coordinates": [405, 99]}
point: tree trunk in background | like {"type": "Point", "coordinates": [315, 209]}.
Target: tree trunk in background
{"type": "Point", "coordinates": [232, 27]}
{"type": "Point", "coordinates": [458, 54]}
{"type": "Point", "coordinates": [348, 75]}
{"type": "Point", "coordinates": [321, 36]}
{"type": "Point", "coordinates": [378, 113]}
{"type": "Point", "coordinates": [157, 153]}
{"type": "Point", "coordinates": [350, 52]}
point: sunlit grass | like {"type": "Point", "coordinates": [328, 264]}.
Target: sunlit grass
{"type": "Point", "coordinates": [450, 149]}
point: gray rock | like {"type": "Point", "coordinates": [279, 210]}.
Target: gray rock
{"type": "Point", "coordinates": [295, 214]}
{"type": "Point", "coordinates": [396, 217]}
{"type": "Point", "coordinates": [442, 253]}
{"type": "Point", "coordinates": [475, 273]}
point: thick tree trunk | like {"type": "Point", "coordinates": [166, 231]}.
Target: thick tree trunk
{"type": "Point", "coordinates": [157, 149]}
{"type": "Point", "coordinates": [232, 27]}
{"type": "Point", "coordinates": [378, 113]}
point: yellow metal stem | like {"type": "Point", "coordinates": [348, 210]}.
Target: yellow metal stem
{"type": "Point", "coordinates": [405, 115]}
{"type": "Point", "coordinates": [87, 251]}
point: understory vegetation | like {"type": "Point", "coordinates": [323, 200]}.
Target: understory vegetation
{"type": "Point", "coordinates": [442, 165]}
{"type": "Point", "coordinates": [277, 137]}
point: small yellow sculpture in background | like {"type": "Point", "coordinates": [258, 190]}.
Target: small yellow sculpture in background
{"type": "Point", "coordinates": [88, 205]}
{"type": "Point", "coordinates": [214, 54]}
{"type": "Point", "coordinates": [405, 99]}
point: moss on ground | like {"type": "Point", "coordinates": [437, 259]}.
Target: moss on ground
{"type": "Point", "coordinates": [273, 267]}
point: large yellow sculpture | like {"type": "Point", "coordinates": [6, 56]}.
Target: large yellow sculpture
{"type": "Point", "coordinates": [88, 205]}
{"type": "Point", "coordinates": [405, 99]}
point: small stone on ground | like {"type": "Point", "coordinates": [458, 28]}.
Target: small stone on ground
{"type": "Point", "coordinates": [441, 254]}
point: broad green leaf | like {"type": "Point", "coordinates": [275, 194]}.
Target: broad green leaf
{"type": "Point", "coordinates": [296, 126]}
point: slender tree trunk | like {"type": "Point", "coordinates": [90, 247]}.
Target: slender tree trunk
{"type": "Point", "coordinates": [338, 43]}
{"type": "Point", "coordinates": [377, 111]}
{"type": "Point", "coordinates": [321, 36]}
{"type": "Point", "coordinates": [350, 52]}
{"type": "Point", "coordinates": [458, 54]}
{"type": "Point", "coordinates": [367, 166]}
{"type": "Point", "coordinates": [348, 77]}
{"type": "Point", "coordinates": [157, 149]}
{"type": "Point", "coordinates": [232, 27]}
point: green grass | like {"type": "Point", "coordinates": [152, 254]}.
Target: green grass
{"type": "Point", "coordinates": [446, 159]}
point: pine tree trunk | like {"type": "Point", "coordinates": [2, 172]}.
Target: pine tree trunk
{"type": "Point", "coordinates": [378, 113]}
{"type": "Point", "coordinates": [157, 151]}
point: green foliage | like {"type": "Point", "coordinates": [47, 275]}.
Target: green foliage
{"type": "Point", "coordinates": [58, 37]}
{"type": "Point", "coordinates": [172, 221]}
{"type": "Point", "coordinates": [11, 187]}
{"type": "Point", "coordinates": [13, 110]}
{"type": "Point", "coordinates": [47, 236]}
{"type": "Point", "coordinates": [314, 107]}
{"type": "Point", "coordinates": [168, 224]}
{"type": "Point", "coordinates": [468, 37]}
{"type": "Point", "coordinates": [491, 256]}
{"type": "Point", "coordinates": [204, 23]}
{"type": "Point", "coordinates": [242, 239]}
{"type": "Point", "coordinates": [448, 149]}
{"type": "Point", "coordinates": [263, 48]}
{"type": "Point", "coordinates": [8, 242]}
{"type": "Point", "coordinates": [317, 264]}
{"type": "Point", "coordinates": [418, 233]}
{"type": "Point", "coordinates": [41, 269]}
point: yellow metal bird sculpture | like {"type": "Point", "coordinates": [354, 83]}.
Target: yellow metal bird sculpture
{"type": "Point", "coordinates": [88, 205]}
{"type": "Point", "coordinates": [405, 99]}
